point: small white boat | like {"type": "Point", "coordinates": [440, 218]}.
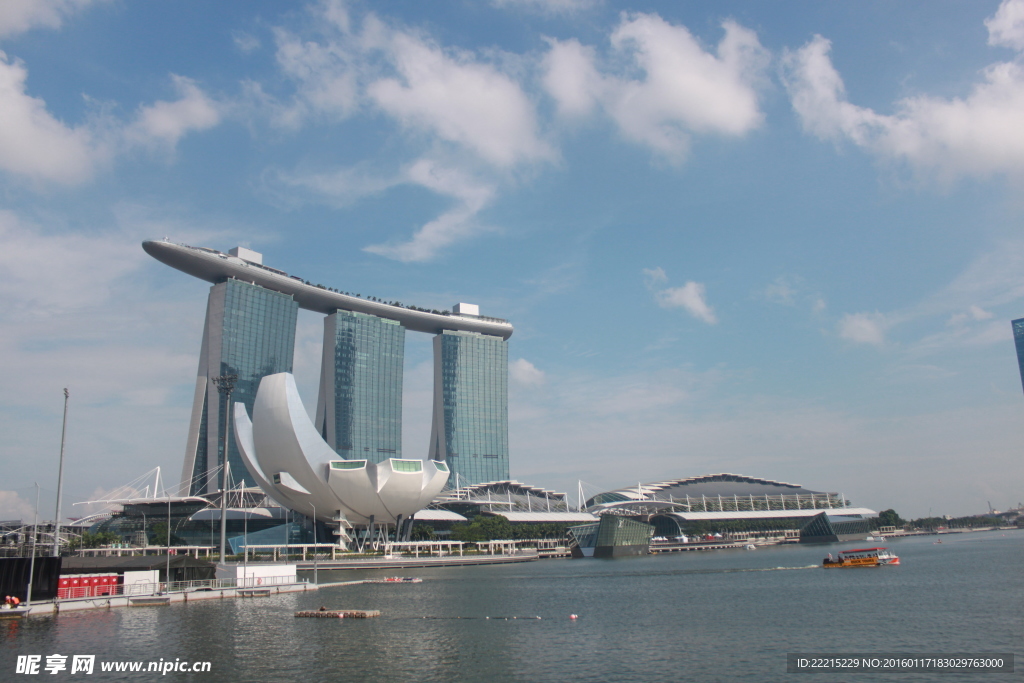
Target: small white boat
{"type": "Point", "coordinates": [750, 546]}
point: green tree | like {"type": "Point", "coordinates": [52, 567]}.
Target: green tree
{"type": "Point", "coordinates": [890, 518]}
{"type": "Point", "coordinates": [158, 535]}
{"type": "Point", "coordinates": [467, 533]}
{"type": "Point", "coordinates": [495, 528]}
{"type": "Point", "coordinates": [98, 540]}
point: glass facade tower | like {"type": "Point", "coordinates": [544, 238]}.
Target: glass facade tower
{"type": "Point", "coordinates": [359, 411]}
{"type": "Point", "coordinates": [1018, 339]}
{"type": "Point", "coordinates": [470, 423]}
{"type": "Point", "coordinates": [249, 332]}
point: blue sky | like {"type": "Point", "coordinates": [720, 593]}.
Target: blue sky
{"type": "Point", "coordinates": [776, 239]}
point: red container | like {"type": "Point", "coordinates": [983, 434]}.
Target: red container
{"type": "Point", "coordinates": [106, 584]}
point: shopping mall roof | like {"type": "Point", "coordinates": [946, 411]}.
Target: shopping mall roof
{"type": "Point", "coordinates": [708, 486]}
{"type": "Point", "coordinates": [550, 517]}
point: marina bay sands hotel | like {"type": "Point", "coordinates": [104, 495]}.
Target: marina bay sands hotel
{"type": "Point", "coordinates": [250, 332]}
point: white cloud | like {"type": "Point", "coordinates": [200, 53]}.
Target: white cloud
{"type": "Point", "coordinates": [88, 267]}
{"type": "Point", "coordinates": [33, 142]}
{"type": "Point", "coordinates": [476, 124]}
{"type": "Point", "coordinates": [13, 506]}
{"type": "Point", "coordinates": [326, 75]}
{"type": "Point", "coordinates": [991, 280]}
{"type": "Point", "coordinates": [571, 77]}
{"type": "Point", "coordinates": [471, 197]}
{"type": "Point", "coordinates": [655, 276]}
{"type": "Point", "coordinates": [36, 145]}
{"type": "Point", "coordinates": [973, 312]}
{"type": "Point", "coordinates": [547, 6]}
{"type": "Point", "coordinates": [450, 95]}
{"type": "Point", "coordinates": [976, 135]}
{"type": "Point", "coordinates": [691, 297]}
{"type": "Point", "coordinates": [525, 373]}
{"type": "Point", "coordinates": [166, 123]}
{"type": "Point", "coordinates": [782, 291]}
{"type": "Point", "coordinates": [460, 100]}
{"type": "Point", "coordinates": [685, 89]}
{"type": "Point", "coordinates": [1006, 26]}
{"type": "Point", "coordinates": [863, 328]}
{"type": "Point", "coordinates": [246, 42]}
{"type": "Point", "coordinates": [18, 16]}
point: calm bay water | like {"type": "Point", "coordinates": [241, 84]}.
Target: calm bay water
{"type": "Point", "coordinates": [722, 616]}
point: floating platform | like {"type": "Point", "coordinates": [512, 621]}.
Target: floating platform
{"type": "Point", "coordinates": [415, 562]}
{"type": "Point", "coordinates": [339, 613]}
{"type": "Point", "coordinates": [156, 601]}
{"type": "Point", "coordinates": [13, 613]}
{"type": "Point", "coordinates": [254, 592]}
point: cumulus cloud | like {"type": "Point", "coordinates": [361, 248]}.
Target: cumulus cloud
{"type": "Point", "coordinates": [691, 297]}
{"type": "Point", "coordinates": [973, 313]}
{"type": "Point", "coordinates": [976, 135]}
{"type": "Point", "coordinates": [470, 195]}
{"type": "Point", "coordinates": [547, 6]}
{"type": "Point", "coordinates": [36, 145]}
{"type": "Point", "coordinates": [13, 506]}
{"type": "Point", "coordinates": [525, 373]}
{"type": "Point", "coordinates": [684, 90]}
{"type": "Point", "coordinates": [165, 123]}
{"type": "Point", "coordinates": [475, 122]}
{"type": "Point", "coordinates": [325, 73]}
{"type": "Point", "coordinates": [571, 77]}
{"type": "Point", "coordinates": [960, 314]}
{"type": "Point", "coordinates": [654, 276]}
{"type": "Point", "coordinates": [18, 16]}
{"type": "Point", "coordinates": [33, 142]}
{"type": "Point", "coordinates": [450, 95]}
{"type": "Point", "coordinates": [90, 267]}
{"type": "Point", "coordinates": [1006, 26]}
{"type": "Point", "coordinates": [245, 42]}
{"type": "Point", "coordinates": [460, 100]}
{"type": "Point", "coordinates": [863, 328]}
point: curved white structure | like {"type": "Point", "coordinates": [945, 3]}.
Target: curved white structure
{"type": "Point", "coordinates": [295, 467]}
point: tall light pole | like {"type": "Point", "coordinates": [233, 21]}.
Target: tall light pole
{"type": "Point", "coordinates": [60, 477]}
{"type": "Point", "coordinates": [225, 385]}
{"type": "Point", "coordinates": [32, 562]}
{"type": "Point", "coordinates": [315, 578]}
{"type": "Point", "coordinates": [168, 569]}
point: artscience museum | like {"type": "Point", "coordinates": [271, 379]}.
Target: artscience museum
{"type": "Point", "coordinates": [292, 463]}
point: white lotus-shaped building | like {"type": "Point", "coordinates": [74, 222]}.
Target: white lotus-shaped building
{"type": "Point", "coordinates": [296, 468]}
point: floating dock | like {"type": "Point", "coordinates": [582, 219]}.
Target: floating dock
{"type": "Point", "coordinates": [411, 562]}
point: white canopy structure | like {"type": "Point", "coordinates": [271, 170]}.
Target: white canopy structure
{"type": "Point", "coordinates": [295, 467]}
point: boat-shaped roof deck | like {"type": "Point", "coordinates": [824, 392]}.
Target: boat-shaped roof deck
{"type": "Point", "coordinates": [214, 266]}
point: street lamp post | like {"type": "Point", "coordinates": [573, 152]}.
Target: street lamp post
{"type": "Point", "coordinates": [315, 576]}
{"type": "Point", "coordinates": [60, 478]}
{"type": "Point", "coordinates": [168, 570]}
{"type": "Point", "coordinates": [225, 385]}
{"type": "Point", "coordinates": [32, 562]}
